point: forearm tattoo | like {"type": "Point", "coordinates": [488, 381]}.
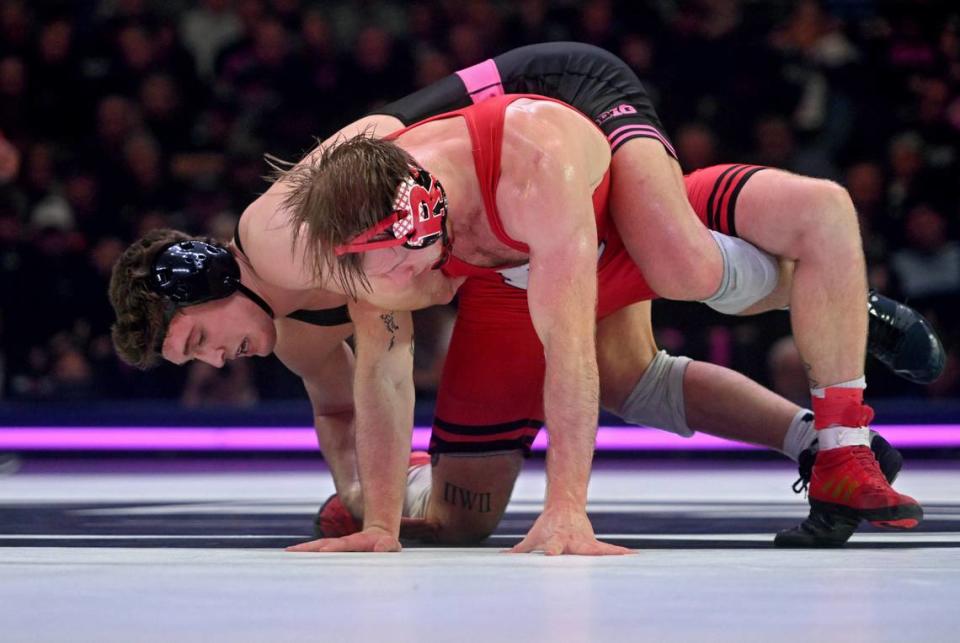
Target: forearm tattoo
{"type": "Point", "coordinates": [391, 326]}
{"type": "Point", "coordinates": [469, 500]}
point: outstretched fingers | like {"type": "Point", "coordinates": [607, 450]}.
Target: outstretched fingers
{"type": "Point", "coordinates": [359, 542]}
{"type": "Point", "coordinates": [557, 546]}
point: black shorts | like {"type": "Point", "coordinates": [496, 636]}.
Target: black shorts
{"type": "Point", "coordinates": [588, 78]}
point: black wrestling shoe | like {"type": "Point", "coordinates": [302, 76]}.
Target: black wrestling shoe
{"type": "Point", "coordinates": [828, 529]}
{"type": "Point", "coordinates": [819, 529]}
{"type": "Point", "coordinates": [903, 340]}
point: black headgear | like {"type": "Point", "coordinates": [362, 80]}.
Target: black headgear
{"type": "Point", "coordinates": [194, 272]}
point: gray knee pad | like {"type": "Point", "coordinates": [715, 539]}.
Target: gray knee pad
{"type": "Point", "coordinates": [657, 399]}
{"type": "Point", "coordinates": [749, 275]}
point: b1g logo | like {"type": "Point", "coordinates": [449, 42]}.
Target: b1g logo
{"type": "Point", "coordinates": [619, 110]}
{"type": "Point", "coordinates": [518, 276]}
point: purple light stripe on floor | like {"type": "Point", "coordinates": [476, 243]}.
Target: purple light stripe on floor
{"type": "Point", "coordinates": [609, 438]}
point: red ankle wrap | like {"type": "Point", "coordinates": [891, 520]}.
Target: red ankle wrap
{"type": "Point", "coordinates": [841, 406]}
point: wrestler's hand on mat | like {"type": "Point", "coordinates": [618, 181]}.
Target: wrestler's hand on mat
{"type": "Point", "coordinates": [565, 531]}
{"type": "Point", "coordinates": [371, 539]}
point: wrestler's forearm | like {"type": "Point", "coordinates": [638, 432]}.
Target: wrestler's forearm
{"type": "Point", "coordinates": [562, 296]}
{"type": "Point", "coordinates": [337, 440]}
{"type": "Point", "coordinates": [384, 429]}
{"type": "Point", "coordinates": [325, 363]}
{"type": "Point", "coordinates": [383, 398]}
{"type": "Point", "coordinates": [571, 393]}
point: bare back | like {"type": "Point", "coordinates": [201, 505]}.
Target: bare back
{"type": "Point", "coordinates": [268, 235]}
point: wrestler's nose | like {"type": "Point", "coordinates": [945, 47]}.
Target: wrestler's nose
{"type": "Point", "coordinates": [214, 357]}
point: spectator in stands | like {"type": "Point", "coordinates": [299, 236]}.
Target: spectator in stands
{"type": "Point", "coordinates": [120, 116]}
{"type": "Point", "coordinates": [928, 268]}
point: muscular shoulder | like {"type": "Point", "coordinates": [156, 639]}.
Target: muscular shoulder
{"type": "Point", "coordinates": [538, 124]}
{"type": "Point", "coordinates": [552, 157]}
{"type": "Point", "coordinates": [547, 135]}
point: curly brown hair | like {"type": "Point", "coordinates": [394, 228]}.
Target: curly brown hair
{"type": "Point", "coordinates": [333, 197]}
{"type": "Point", "coordinates": [141, 313]}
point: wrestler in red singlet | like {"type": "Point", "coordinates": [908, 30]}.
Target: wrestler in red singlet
{"type": "Point", "coordinates": [491, 393]}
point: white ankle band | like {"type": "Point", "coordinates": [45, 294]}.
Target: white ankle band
{"type": "Point", "coordinates": [843, 436]}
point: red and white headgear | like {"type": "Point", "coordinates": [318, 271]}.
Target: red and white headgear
{"type": "Point", "coordinates": [418, 218]}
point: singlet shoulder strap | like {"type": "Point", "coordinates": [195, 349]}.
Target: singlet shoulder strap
{"type": "Point", "coordinates": [319, 317]}
{"type": "Point", "coordinates": [236, 237]}
{"type": "Point", "coordinates": [323, 316]}
{"type": "Point", "coordinates": [436, 117]}
{"type": "Point", "coordinates": [485, 124]}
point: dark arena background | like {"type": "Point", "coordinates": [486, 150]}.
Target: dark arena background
{"type": "Point", "coordinates": [156, 505]}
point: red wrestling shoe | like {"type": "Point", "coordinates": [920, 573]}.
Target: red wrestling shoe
{"type": "Point", "coordinates": [848, 481]}
{"type": "Point", "coordinates": [334, 520]}
{"type": "Point", "coordinates": [419, 458]}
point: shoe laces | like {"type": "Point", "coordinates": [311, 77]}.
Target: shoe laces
{"type": "Point", "coordinates": [866, 458]}
{"type": "Point", "coordinates": [801, 486]}
{"type": "Point", "coordinates": [805, 466]}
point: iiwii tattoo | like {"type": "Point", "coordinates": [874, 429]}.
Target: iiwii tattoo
{"type": "Point", "coordinates": [392, 328]}
{"type": "Point", "coordinates": [469, 500]}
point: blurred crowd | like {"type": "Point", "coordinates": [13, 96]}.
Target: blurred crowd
{"type": "Point", "coordinates": [118, 116]}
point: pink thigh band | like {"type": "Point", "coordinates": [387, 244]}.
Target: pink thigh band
{"type": "Point", "coordinates": [482, 80]}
